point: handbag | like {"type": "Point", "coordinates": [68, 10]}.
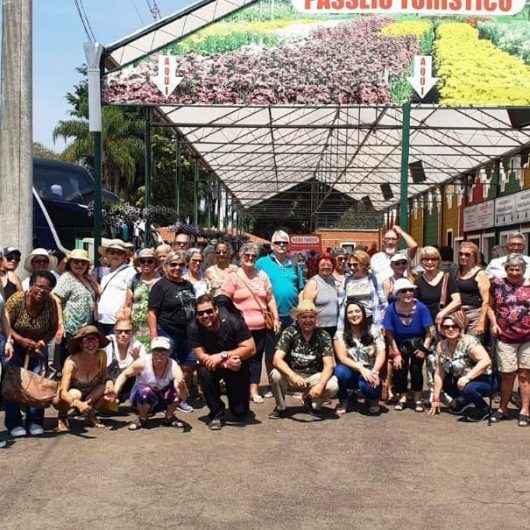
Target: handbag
{"type": "Point", "coordinates": [20, 385]}
{"type": "Point", "coordinates": [267, 315]}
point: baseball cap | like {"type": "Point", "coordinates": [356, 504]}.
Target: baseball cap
{"type": "Point", "coordinates": [160, 343]}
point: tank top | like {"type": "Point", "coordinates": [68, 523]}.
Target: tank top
{"type": "Point", "coordinates": [9, 290]}
{"type": "Point", "coordinates": [326, 302]}
{"type": "Point", "coordinates": [469, 291]}
{"type": "Point", "coordinates": [149, 378]}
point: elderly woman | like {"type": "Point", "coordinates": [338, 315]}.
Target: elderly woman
{"type": "Point", "coordinates": [9, 281]}
{"type": "Point", "coordinates": [399, 263]}
{"type": "Point", "coordinates": [161, 253]}
{"type": "Point", "coordinates": [409, 329]}
{"type": "Point", "coordinates": [360, 352]}
{"type": "Point", "coordinates": [195, 274]}
{"type": "Point", "coordinates": [462, 371]}
{"type": "Point", "coordinates": [436, 289]}
{"type": "Point", "coordinates": [77, 293]}
{"type": "Point", "coordinates": [137, 300]}
{"type": "Point", "coordinates": [171, 308]}
{"type": "Point", "coordinates": [217, 274]}
{"type": "Point", "coordinates": [509, 315]}
{"type": "Point", "coordinates": [39, 260]}
{"type": "Point", "coordinates": [473, 285]}
{"type": "Point", "coordinates": [251, 292]}
{"type": "Point", "coordinates": [159, 384]}
{"type": "Point", "coordinates": [34, 321]}
{"type": "Point", "coordinates": [322, 291]}
{"type": "Point", "coordinates": [363, 286]}
{"type": "Point", "coordinates": [85, 384]}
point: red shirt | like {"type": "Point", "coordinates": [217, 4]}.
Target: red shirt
{"type": "Point", "coordinates": [512, 309]}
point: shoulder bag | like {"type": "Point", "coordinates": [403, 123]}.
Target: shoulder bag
{"type": "Point", "coordinates": [267, 315]}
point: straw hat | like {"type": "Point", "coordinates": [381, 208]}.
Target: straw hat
{"type": "Point", "coordinates": [79, 254]}
{"type": "Point", "coordinates": [116, 244]}
{"type": "Point", "coordinates": [305, 306]}
{"type": "Point", "coordinates": [74, 344]}
{"type": "Point", "coordinates": [41, 253]}
{"type": "Point", "coordinates": [144, 253]}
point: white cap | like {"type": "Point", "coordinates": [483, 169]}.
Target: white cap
{"type": "Point", "coordinates": [399, 256]}
{"type": "Point", "coordinates": [160, 343]}
{"type": "Point", "coordinates": [403, 283]}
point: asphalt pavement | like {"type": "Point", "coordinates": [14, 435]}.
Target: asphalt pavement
{"type": "Point", "coordinates": [399, 470]}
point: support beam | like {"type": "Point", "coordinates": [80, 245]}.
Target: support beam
{"type": "Point", "coordinates": [195, 191]}
{"type": "Point", "coordinates": [148, 166]}
{"type": "Point", "coordinates": [404, 186]}
{"type": "Point", "coordinates": [177, 176]}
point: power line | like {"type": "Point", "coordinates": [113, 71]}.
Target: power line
{"type": "Point", "coordinates": [138, 12]}
{"type": "Point", "coordinates": [154, 9]}
{"type": "Point", "coordinates": [87, 21]}
{"type": "Point", "coordinates": [79, 12]}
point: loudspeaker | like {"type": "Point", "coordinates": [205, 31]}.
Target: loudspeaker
{"type": "Point", "coordinates": [386, 190]}
{"type": "Point", "coordinates": [416, 172]}
{"type": "Point", "coordinates": [519, 118]}
{"type": "Point", "coordinates": [367, 202]}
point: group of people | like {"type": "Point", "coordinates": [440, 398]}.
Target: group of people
{"type": "Point", "coordinates": [166, 327]}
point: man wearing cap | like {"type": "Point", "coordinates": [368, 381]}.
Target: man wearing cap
{"type": "Point", "coordinates": [303, 360]}
{"type": "Point", "coordinates": [114, 284]}
{"type": "Point", "coordinates": [12, 282]}
{"type": "Point", "coordinates": [223, 344]}
{"type": "Point", "coordinates": [380, 261]}
{"type": "Point", "coordinates": [159, 385]}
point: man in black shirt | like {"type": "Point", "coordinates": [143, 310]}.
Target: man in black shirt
{"type": "Point", "coordinates": [222, 343]}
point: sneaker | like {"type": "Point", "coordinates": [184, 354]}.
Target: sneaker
{"type": "Point", "coordinates": [342, 408]}
{"type": "Point", "coordinates": [216, 424]}
{"type": "Point", "coordinates": [35, 429]}
{"type": "Point", "coordinates": [185, 407]}
{"type": "Point", "coordinates": [3, 444]}
{"type": "Point", "coordinates": [268, 394]}
{"type": "Point", "coordinates": [277, 414]}
{"type": "Point", "coordinates": [373, 407]}
{"type": "Point", "coordinates": [18, 432]}
{"type": "Point", "coordinates": [458, 406]}
{"type": "Point", "coordinates": [475, 415]}
{"type": "Point", "coordinates": [497, 416]}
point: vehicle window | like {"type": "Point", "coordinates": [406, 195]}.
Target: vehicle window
{"type": "Point", "coordinates": [63, 183]}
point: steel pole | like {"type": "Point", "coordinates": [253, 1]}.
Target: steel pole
{"type": "Point", "coordinates": [177, 178]}
{"type": "Point", "coordinates": [147, 169]}
{"type": "Point", "coordinates": [404, 186]}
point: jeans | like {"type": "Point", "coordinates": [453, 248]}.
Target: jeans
{"type": "Point", "coordinates": [237, 390]}
{"type": "Point", "coordinates": [2, 345]}
{"type": "Point", "coordinates": [411, 364]}
{"type": "Point", "coordinates": [473, 392]}
{"type": "Point", "coordinates": [260, 336]}
{"type": "Point", "coordinates": [270, 345]}
{"type": "Point", "coordinates": [352, 379]}
{"type": "Point", "coordinates": [13, 414]}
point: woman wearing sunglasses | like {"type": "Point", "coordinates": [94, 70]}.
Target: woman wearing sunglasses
{"type": "Point", "coordinates": [9, 281]}
{"type": "Point", "coordinates": [195, 274]}
{"type": "Point", "coordinates": [251, 292]}
{"type": "Point", "coordinates": [463, 370]}
{"type": "Point", "coordinates": [474, 287]}
{"type": "Point", "coordinates": [409, 329]}
{"type": "Point", "coordinates": [217, 274]}
{"type": "Point", "coordinates": [171, 308]}
{"type": "Point", "coordinates": [141, 284]}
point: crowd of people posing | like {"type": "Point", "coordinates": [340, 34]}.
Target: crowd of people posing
{"type": "Point", "coordinates": [167, 328]}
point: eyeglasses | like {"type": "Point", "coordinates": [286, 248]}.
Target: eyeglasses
{"type": "Point", "coordinates": [147, 261]}
{"type": "Point", "coordinates": [196, 260]}
{"type": "Point", "coordinates": [340, 258]}
{"type": "Point", "coordinates": [449, 326]}
{"type": "Point", "coordinates": [250, 256]}
{"type": "Point", "coordinates": [406, 290]}
{"type": "Point", "coordinates": [205, 312]}
{"type": "Point", "coordinates": [429, 259]}
{"type": "Point", "coordinates": [221, 253]}
{"type": "Point", "coordinates": [353, 264]}
{"type": "Point", "coordinates": [41, 288]}
{"type": "Point", "coordinates": [181, 243]}
{"type": "Point", "coordinates": [43, 261]}
{"type": "Point", "coordinates": [115, 252]}
{"type": "Point", "coordinates": [126, 331]}
{"type": "Point", "coordinates": [91, 337]}
{"type": "Point", "coordinates": [281, 243]}
{"type": "Point", "coordinates": [176, 264]}
{"type": "Point", "coordinates": [404, 262]}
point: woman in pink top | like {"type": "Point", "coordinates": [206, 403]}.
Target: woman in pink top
{"type": "Point", "coordinates": [251, 292]}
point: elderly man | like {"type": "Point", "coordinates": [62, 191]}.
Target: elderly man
{"type": "Point", "coordinates": [515, 244]}
{"type": "Point", "coordinates": [304, 361]}
{"type": "Point", "coordinates": [114, 284]}
{"type": "Point", "coordinates": [182, 242]}
{"type": "Point", "coordinates": [223, 344]}
{"type": "Point", "coordinates": [380, 262]}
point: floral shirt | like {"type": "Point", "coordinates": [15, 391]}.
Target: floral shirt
{"type": "Point", "coordinates": [140, 307]}
{"type": "Point", "coordinates": [359, 352]}
{"type": "Point", "coordinates": [511, 304]}
{"type": "Point", "coordinates": [460, 362]}
{"type": "Point", "coordinates": [78, 300]}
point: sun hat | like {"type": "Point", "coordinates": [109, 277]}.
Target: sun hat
{"type": "Point", "coordinates": [305, 306]}
{"type": "Point", "coordinates": [79, 254]}
{"type": "Point", "coordinates": [43, 253]}
{"type": "Point", "coordinates": [116, 244]}
{"type": "Point", "coordinates": [74, 344]}
{"type": "Point", "coordinates": [403, 283]}
{"type": "Point", "coordinates": [160, 343]}
{"type": "Point", "coordinates": [399, 256]}
{"type": "Point", "coordinates": [144, 253]}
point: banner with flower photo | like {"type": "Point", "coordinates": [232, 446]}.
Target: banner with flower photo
{"type": "Point", "coordinates": [326, 52]}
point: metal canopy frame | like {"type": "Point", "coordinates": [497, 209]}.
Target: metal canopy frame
{"type": "Point", "coordinates": [259, 152]}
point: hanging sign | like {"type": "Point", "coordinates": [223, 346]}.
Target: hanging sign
{"type": "Point", "coordinates": [512, 209]}
{"type": "Point", "coordinates": [422, 81]}
{"type": "Point", "coordinates": [479, 216]}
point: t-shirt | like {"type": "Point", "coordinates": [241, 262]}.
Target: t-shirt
{"type": "Point", "coordinates": [174, 305]}
{"type": "Point", "coordinates": [420, 321]}
{"type": "Point", "coordinates": [511, 304]}
{"type": "Point", "coordinates": [430, 295]}
{"type": "Point", "coordinates": [236, 286]}
{"type": "Point", "coordinates": [114, 286]}
{"type": "Point", "coordinates": [286, 279]}
{"type": "Point", "coordinates": [303, 356]}
{"type": "Point", "coordinates": [380, 265]}
{"type": "Point", "coordinates": [231, 333]}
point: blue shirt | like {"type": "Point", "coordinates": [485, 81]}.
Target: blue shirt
{"type": "Point", "coordinates": [421, 321]}
{"type": "Point", "coordinates": [286, 279]}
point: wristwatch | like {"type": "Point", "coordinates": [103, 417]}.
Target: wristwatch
{"type": "Point", "coordinates": [224, 355]}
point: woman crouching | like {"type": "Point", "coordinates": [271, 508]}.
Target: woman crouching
{"type": "Point", "coordinates": [463, 370]}
{"type": "Point", "coordinates": [85, 385]}
{"type": "Point", "coordinates": [159, 385]}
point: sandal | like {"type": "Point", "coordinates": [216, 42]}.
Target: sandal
{"type": "Point", "coordinates": [523, 420]}
{"type": "Point", "coordinates": [136, 425]}
{"type": "Point", "coordinates": [497, 416]}
{"type": "Point", "coordinates": [400, 405]}
{"type": "Point", "coordinates": [419, 407]}
{"type": "Point", "coordinates": [173, 422]}
{"type": "Point", "coordinates": [256, 398]}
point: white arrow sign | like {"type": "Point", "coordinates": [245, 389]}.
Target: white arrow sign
{"type": "Point", "coordinates": [167, 79]}
{"type": "Point", "coordinates": [422, 80]}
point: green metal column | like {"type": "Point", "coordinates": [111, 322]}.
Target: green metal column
{"type": "Point", "coordinates": [177, 177]}
{"type": "Point", "coordinates": [404, 187]}
{"type": "Point", "coordinates": [225, 224]}
{"type": "Point", "coordinates": [98, 206]}
{"type": "Point", "coordinates": [209, 202]}
{"type": "Point", "coordinates": [219, 197]}
{"type": "Point", "coordinates": [148, 169]}
{"type": "Point", "coordinates": [195, 191]}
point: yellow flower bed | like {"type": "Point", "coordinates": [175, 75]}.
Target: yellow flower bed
{"type": "Point", "coordinates": [474, 71]}
{"type": "Point", "coordinates": [407, 27]}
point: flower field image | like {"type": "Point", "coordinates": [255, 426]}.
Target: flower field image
{"type": "Point", "coordinates": [269, 54]}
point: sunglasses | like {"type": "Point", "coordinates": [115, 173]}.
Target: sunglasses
{"type": "Point", "coordinates": [280, 243]}
{"type": "Point", "coordinates": [340, 258]}
{"type": "Point", "coordinates": [197, 260]}
{"type": "Point", "coordinates": [250, 256]}
{"type": "Point", "coordinates": [118, 331]}
{"type": "Point", "coordinates": [404, 262]}
{"type": "Point", "coordinates": [430, 259]}
{"type": "Point", "coordinates": [13, 258]}
{"type": "Point", "coordinates": [353, 265]}
{"type": "Point", "coordinates": [176, 264]}
{"type": "Point", "coordinates": [449, 326]}
{"type": "Point", "coordinates": [41, 288]}
{"type": "Point", "coordinates": [406, 291]}
{"type": "Point", "coordinates": [114, 252]}
{"type": "Point", "coordinates": [147, 261]}
{"type": "Point", "coordinates": [205, 312]}
{"type": "Point", "coordinates": [221, 253]}
{"type": "Point", "coordinates": [40, 261]}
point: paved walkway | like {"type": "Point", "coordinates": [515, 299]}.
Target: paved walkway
{"type": "Point", "coordinates": [401, 470]}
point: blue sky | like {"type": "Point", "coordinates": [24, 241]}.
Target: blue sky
{"type": "Point", "coordinates": [58, 49]}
